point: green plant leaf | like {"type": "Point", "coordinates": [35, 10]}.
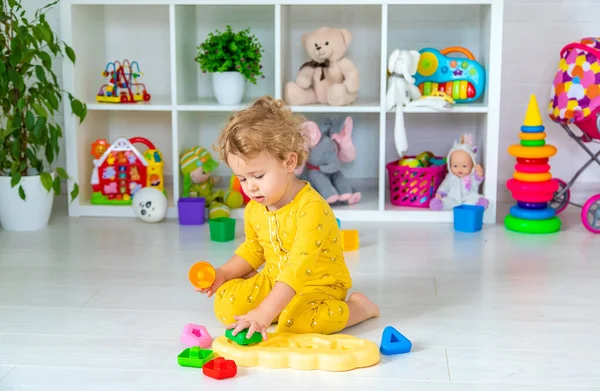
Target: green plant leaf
{"type": "Point", "coordinates": [56, 186]}
{"type": "Point", "coordinates": [74, 192]}
{"type": "Point", "coordinates": [62, 173]}
{"type": "Point", "coordinates": [46, 179]}
{"type": "Point", "coordinates": [22, 193]}
{"type": "Point", "coordinates": [15, 179]}
{"type": "Point", "coordinates": [29, 120]}
{"type": "Point", "coordinates": [39, 72]}
{"type": "Point", "coordinates": [70, 53]}
{"type": "Point", "coordinates": [39, 109]}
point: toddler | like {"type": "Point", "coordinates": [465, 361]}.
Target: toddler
{"type": "Point", "coordinates": [289, 228]}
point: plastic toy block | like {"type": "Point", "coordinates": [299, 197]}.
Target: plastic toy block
{"type": "Point", "coordinates": [195, 357]}
{"type": "Point", "coordinates": [241, 339]}
{"type": "Point", "coordinates": [338, 222]}
{"type": "Point", "coordinates": [195, 335]}
{"type": "Point", "coordinates": [336, 352]}
{"type": "Point", "coordinates": [202, 275]}
{"type": "Point", "coordinates": [220, 368]}
{"type": "Point", "coordinates": [392, 342]}
{"type": "Point", "coordinates": [350, 241]}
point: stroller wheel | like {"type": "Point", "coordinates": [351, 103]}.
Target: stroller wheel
{"type": "Point", "coordinates": [590, 214]}
{"type": "Point", "coordinates": [560, 203]}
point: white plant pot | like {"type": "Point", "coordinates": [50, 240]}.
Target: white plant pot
{"type": "Point", "coordinates": [228, 87]}
{"type": "Point", "coordinates": [29, 215]}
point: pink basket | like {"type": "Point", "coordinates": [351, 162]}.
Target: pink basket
{"type": "Point", "coordinates": [414, 186]}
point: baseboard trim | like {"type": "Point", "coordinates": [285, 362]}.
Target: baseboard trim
{"type": "Point", "coordinates": [580, 192]}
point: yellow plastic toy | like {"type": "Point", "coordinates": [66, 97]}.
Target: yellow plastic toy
{"type": "Point", "coordinates": [337, 352]}
{"type": "Point", "coordinates": [350, 241]}
{"type": "Point", "coordinates": [202, 275]}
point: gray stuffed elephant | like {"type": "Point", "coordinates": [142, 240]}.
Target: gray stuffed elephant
{"type": "Point", "coordinates": [327, 152]}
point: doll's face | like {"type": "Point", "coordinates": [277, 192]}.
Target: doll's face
{"type": "Point", "coordinates": [199, 176]}
{"type": "Point", "coordinates": [461, 163]}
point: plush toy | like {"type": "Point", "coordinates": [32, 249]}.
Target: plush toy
{"type": "Point", "coordinates": [197, 165]}
{"type": "Point", "coordinates": [461, 184]}
{"type": "Point", "coordinates": [330, 77]}
{"type": "Point", "coordinates": [327, 152]}
{"type": "Point", "coordinates": [401, 89]}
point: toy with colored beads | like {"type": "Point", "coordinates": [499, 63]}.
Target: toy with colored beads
{"type": "Point", "coordinates": [123, 85]}
{"type": "Point", "coordinates": [532, 185]}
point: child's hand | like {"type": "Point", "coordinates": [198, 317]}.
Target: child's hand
{"type": "Point", "coordinates": [255, 320]}
{"type": "Point", "coordinates": [220, 279]}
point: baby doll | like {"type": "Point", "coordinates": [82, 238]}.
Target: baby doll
{"type": "Point", "coordinates": [461, 184]}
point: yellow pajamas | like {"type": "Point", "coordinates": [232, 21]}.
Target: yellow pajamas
{"type": "Point", "coordinates": [299, 245]}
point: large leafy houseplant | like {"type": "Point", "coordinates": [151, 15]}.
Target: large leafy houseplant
{"type": "Point", "coordinates": [230, 51]}
{"type": "Point", "coordinates": [30, 98]}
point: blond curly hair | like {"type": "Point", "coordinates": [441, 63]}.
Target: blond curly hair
{"type": "Point", "coordinates": [268, 125]}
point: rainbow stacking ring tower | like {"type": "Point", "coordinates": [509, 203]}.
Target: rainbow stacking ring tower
{"type": "Point", "coordinates": [532, 185]}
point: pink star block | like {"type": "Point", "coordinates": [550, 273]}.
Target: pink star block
{"type": "Point", "coordinates": [195, 335]}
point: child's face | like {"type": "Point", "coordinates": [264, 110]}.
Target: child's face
{"type": "Point", "coordinates": [263, 178]}
{"type": "Point", "coordinates": [461, 163]}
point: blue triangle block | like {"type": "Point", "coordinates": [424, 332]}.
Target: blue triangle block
{"type": "Point", "coordinates": [392, 342]}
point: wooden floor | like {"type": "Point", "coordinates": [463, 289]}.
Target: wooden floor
{"type": "Point", "coordinates": [99, 304]}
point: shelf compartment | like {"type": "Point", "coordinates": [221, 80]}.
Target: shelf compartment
{"type": "Point", "coordinates": [110, 125]}
{"type": "Point", "coordinates": [441, 26]}
{"type": "Point", "coordinates": [193, 23]}
{"type": "Point", "coordinates": [364, 24]}
{"type": "Point", "coordinates": [101, 34]}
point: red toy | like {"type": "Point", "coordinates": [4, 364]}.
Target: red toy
{"type": "Point", "coordinates": [121, 170]}
{"type": "Point", "coordinates": [220, 369]}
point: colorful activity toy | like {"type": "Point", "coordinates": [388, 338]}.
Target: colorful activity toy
{"type": "Point", "coordinates": [350, 240]}
{"type": "Point", "coordinates": [202, 275]}
{"type": "Point", "coordinates": [393, 342]}
{"type": "Point", "coordinates": [123, 85]}
{"type": "Point", "coordinates": [121, 170]}
{"type": "Point", "coordinates": [575, 100]}
{"type": "Point", "coordinates": [532, 185]}
{"type": "Point", "coordinates": [463, 79]}
{"type": "Point", "coordinates": [195, 335]}
{"type": "Point", "coordinates": [337, 352]}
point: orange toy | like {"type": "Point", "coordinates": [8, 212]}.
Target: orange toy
{"type": "Point", "coordinates": [234, 184]}
{"type": "Point", "coordinates": [202, 275]}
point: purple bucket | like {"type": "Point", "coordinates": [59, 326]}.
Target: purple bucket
{"type": "Point", "coordinates": [191, 211]}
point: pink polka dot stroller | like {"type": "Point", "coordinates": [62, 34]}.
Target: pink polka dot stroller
{"type": "Point", "coordinates": [575, 102]}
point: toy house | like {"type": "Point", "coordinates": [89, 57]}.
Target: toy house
{"type": "Point", "coordinates": [121, 170]}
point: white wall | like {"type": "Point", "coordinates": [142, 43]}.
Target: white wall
{"type": "Point", "coordinates": [534, 33]}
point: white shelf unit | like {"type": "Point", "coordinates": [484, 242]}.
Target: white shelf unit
{"type": "Point", "coordinates": [163, 36]}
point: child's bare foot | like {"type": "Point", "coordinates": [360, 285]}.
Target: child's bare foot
{"type": "Point", "coordinates": [361, 309]}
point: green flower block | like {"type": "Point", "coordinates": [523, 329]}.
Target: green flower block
{"type": "Point", "coordinates": [195, 357]}
{"type": "Point", "coordinates": [241, 339]}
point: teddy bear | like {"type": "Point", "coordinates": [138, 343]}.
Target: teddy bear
{"type": "Point", "coordinates": [330, 77]}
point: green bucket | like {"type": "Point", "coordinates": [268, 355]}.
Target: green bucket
{"type": "Point", "coordinates": [222, 229]}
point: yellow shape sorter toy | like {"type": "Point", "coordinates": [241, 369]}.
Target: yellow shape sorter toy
{"type": "Point", "coordinates": [337, 352]}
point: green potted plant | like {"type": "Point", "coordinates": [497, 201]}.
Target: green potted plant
{"type": "Point", "coordinates": [232, 58]}
{"type": "Point", "coordinates": [30, 98]}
